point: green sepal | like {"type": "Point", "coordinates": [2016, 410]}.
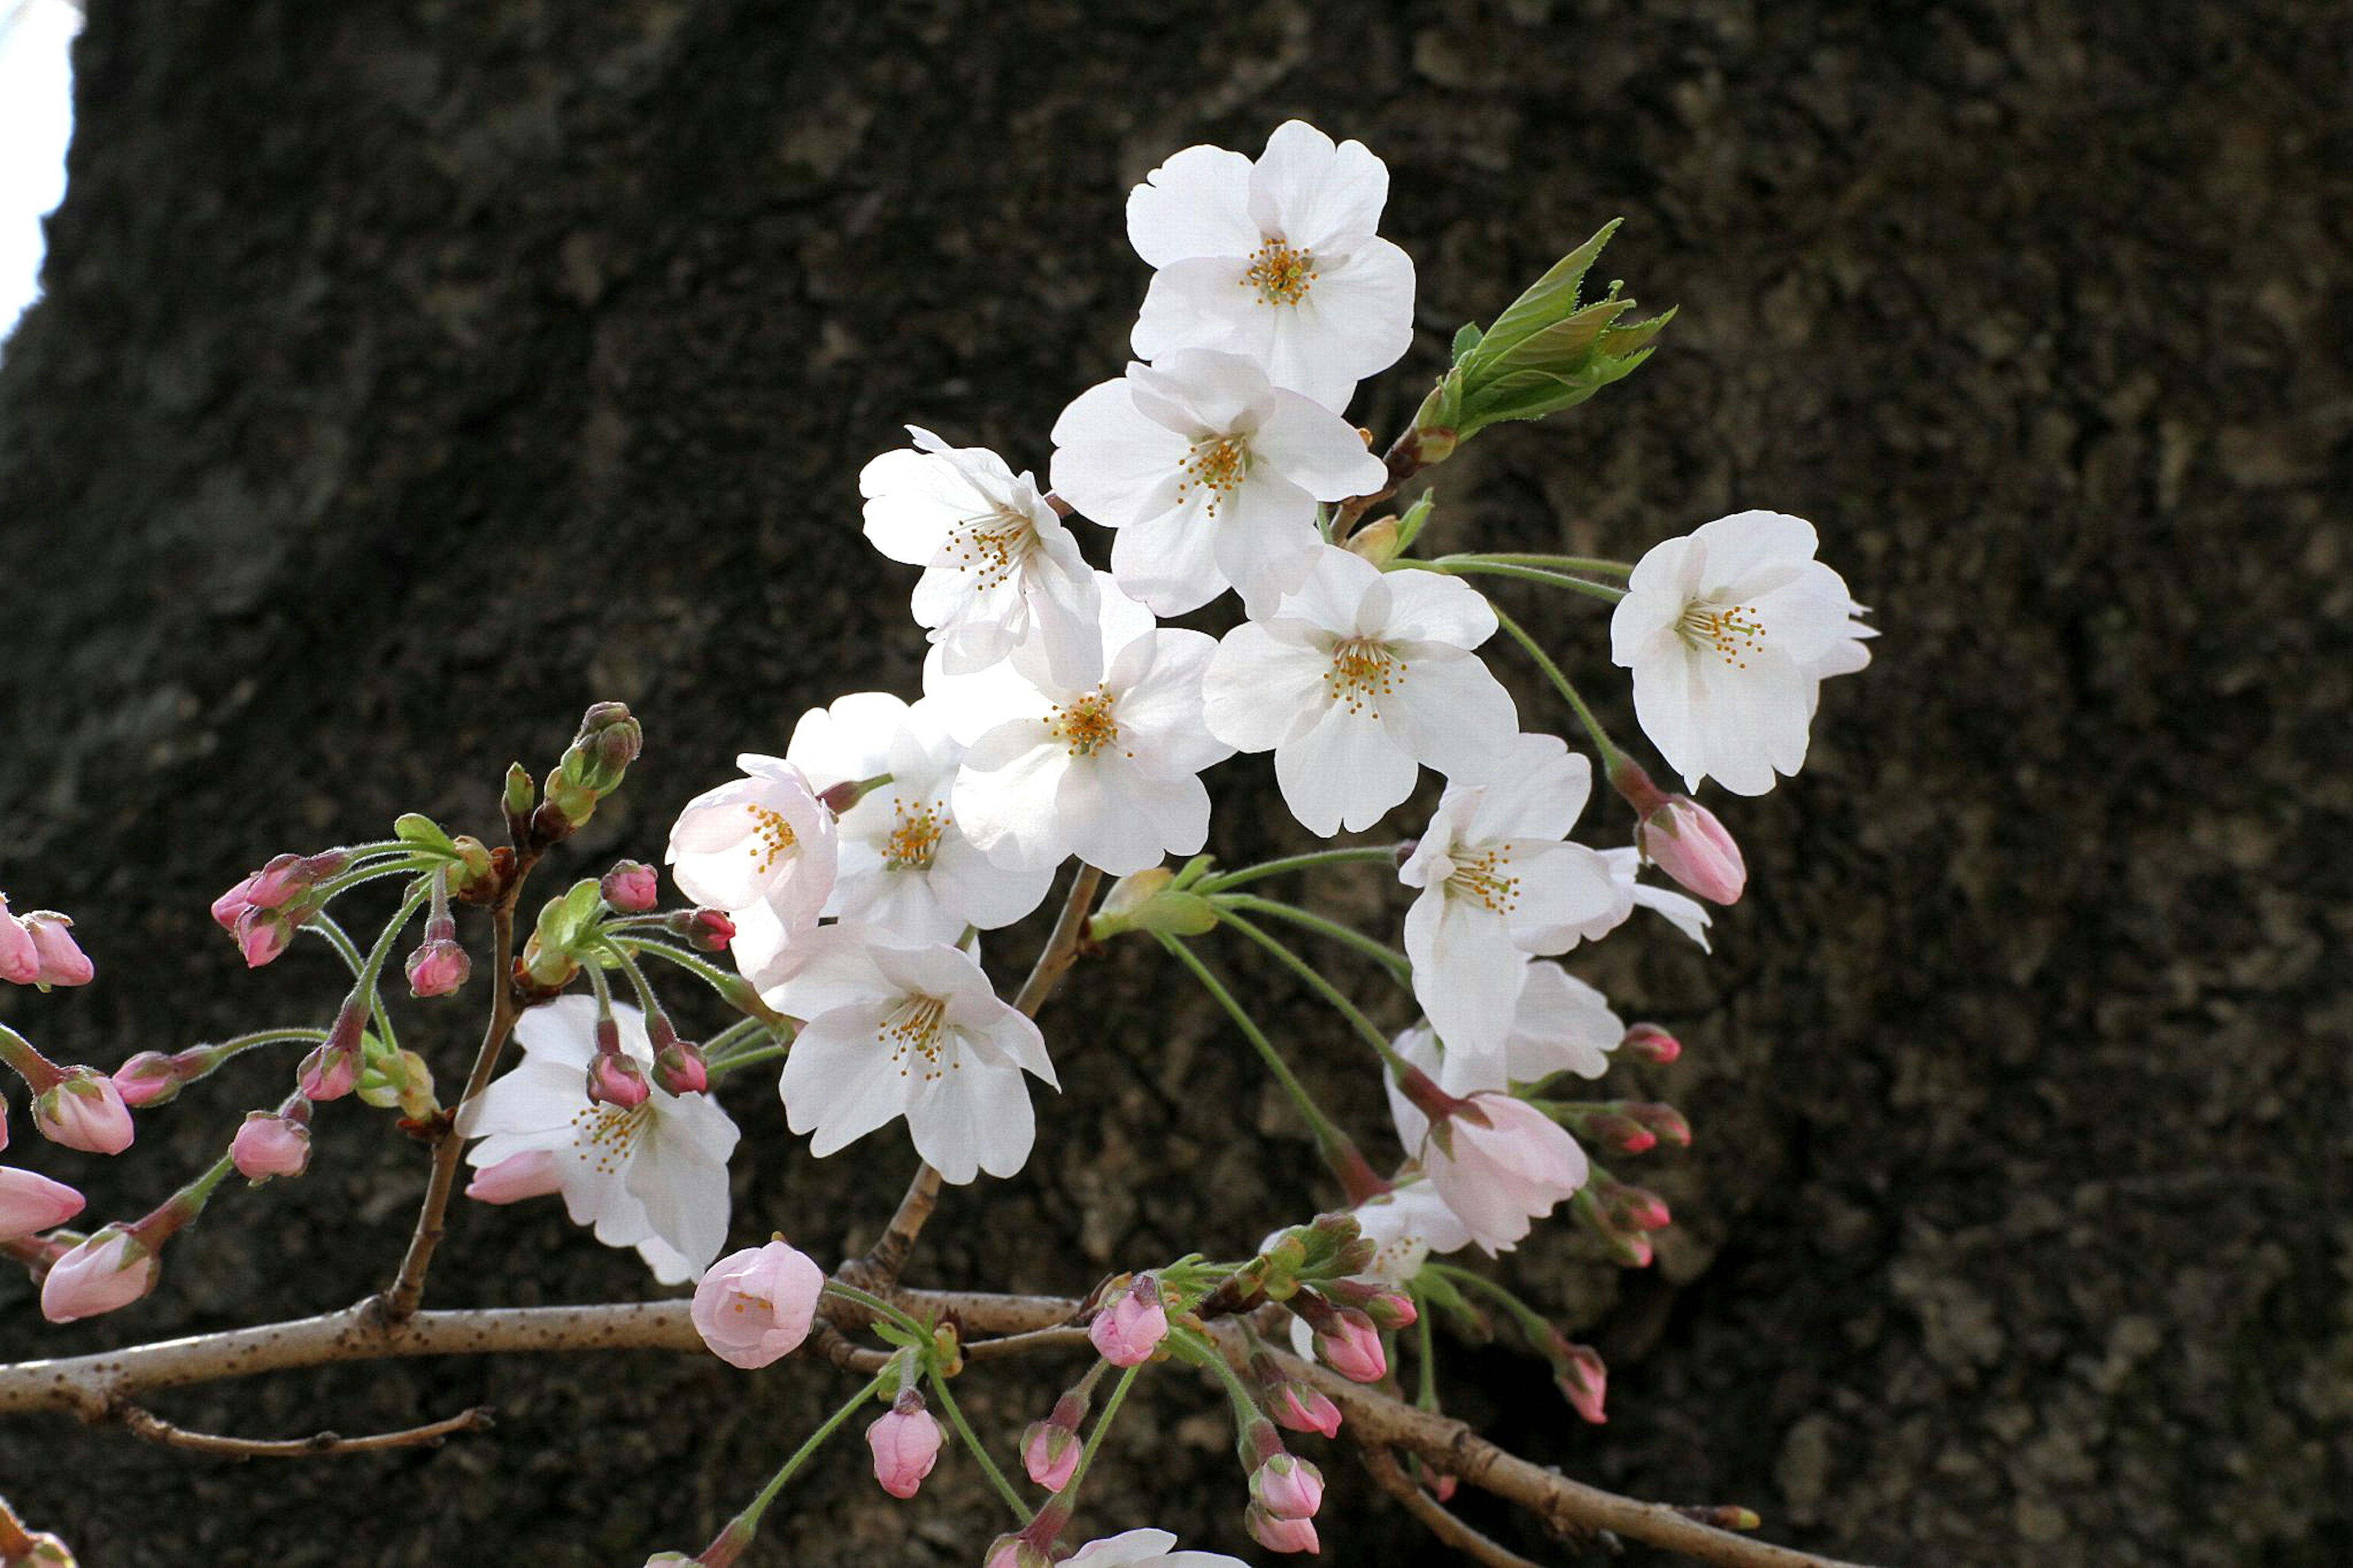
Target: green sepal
{"type": "Point", "coordinates": [414, 827]}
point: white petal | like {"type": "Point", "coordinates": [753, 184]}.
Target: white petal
{"type": "Point", "coordinates": [1306, 191]}
{"type": "Point", "coordinates": [840, 1081]}
{"type": "Point", "coordinates": [1346, 772]}
{"type": "Point", "coordinates": [1006, 793]}
{"type": "Point", "coordinates": [1170, 561]}
{"type": "Point", "coordinates": [1445, 710]}
{"type": "Point", "coordinates": [1195, 204]}
{"type": "Point", "coordinates": [1426, 606]}
{"type": "Point", "coordinates": [1262, 689]}
{"type": "Point", "coordinates": [1109, 461]}
{"type": "Point", "coordinates": [1316, 449]}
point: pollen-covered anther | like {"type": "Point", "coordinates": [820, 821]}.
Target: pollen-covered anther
{"type": "Point", "coordinates": [1088, 724]}
{"type": "Point", "coordinates": [915, 1030]}
{"type": "Point", "coordinates": [771, 836]}
{"type": "Point", "coordinates": [916, 839]}
{"type": "Point", "coordinates": [992, 546]}
{"type": "Point", "coordinates": [606, 1133]}
{"type": "Point", "coordinates": [1733, 630]}
{"type": "Point", "coordinates": [1362, 672]}
{"type": "Point", "coordinates": [1282, 275]}
{"type": "Point", "coordinates": [1484, 879]}
{"type": "Point", "coordinates": [1219, 465]}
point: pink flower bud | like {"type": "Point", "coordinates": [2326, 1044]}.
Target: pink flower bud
{"type": "Point", "coordinates": [1391, 1309]}
{"type": "Point", "coordinates": [330, 1072]}
{"type": "Point", "coordinates": [755, 1306]}
{"type": "Point", "coordinates": [147, 1079]}
{"type": "Point", "coordinates": [436, 968]}
{"type": "Point", "coordinates": [1635, 1208]}
{"type": "Point", "coordinates": [262, 935]}
{"type": "Point", "coordinates": [269, 1145]}
{"type": "Point", "coordinates": [30, 1203]}
{"type": "Point", "coordinates": [1619, 1134]}
{"type": "Point", "coordinates": [631, 886]}
{"type": "Point", "coordinates": [906, 1444]}
{"type": "Point", "coordinates": [230, 907]}
{"type": "Point", "coordinates": [107, 1271]}
{"type": "Point", "coordinates": [1279, 1534]}
{"type": "Point", "coordinates": [61, 962]}
{"type": "Point", "coordinates": [1650, 1043]}
{"type": "Point", "coordinates": [1583, 1378]}
{"type": "Point", "coordinates": [1051, 1454]}
{"type": "Point", "coordinates": [532, 1175]}
{"type": "Point", "coordinates": [1304, 1409]}
{"type": "Point", "coordinates": [84, 1112]}
{"type": "Point", "coordinates": [1664, 1120]}
{"type": "Point", "coordinates": [708, 930]}
{"type": "Point", "coordinates": [1287, 1487]}
{"type": "Point", "coordinates": [20, 961]}
{"type": "Point", "coordinates": [616, 1078]}
{"type": "Point", "coordinates": [1127, 1330]}
{"type": "Point", "coordinates": [1351, 1346]}
{"type": "Point", "coordinates": [1684, 839]}
{"type": "Point", "coordinates": [679, 1068]}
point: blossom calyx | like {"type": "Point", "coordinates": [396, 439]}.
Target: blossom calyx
{"type": "Point", "coordinates": [1128, 1328]}
{"type": "Point", "coordinates": [755, 1306]}
{"type": "Point", "coordinates": [84, 1110]}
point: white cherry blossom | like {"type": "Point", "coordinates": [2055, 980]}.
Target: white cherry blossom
{"type": "Point", "coordinates": [904, 864]}
{"type": "Point", "coordinates": [1730, 631]}
{"type": "Point", "coordinates": [761, 848]}
{"type": "Point", "coordinates": [653, 1177]}
{"type": "Point", "coordinates": [1559, 1024]}
{"type": "Point", "coordinates": [1355, 681]}
{"type": "Point", "coordinates": [1497, 882]}
{"type": "Point", "coordinates": [1685, 913]}
{"type": "Point", "coordinates": [893, 1028]}
{"type": "Point", "coordinates": [999, 569]}
{"type": "Point", "coordinates": [1211, 474]}
{"type": "Point", "coordinates": [1144, 1549]}
{"type": "Point", "coordinates": [1276, 259]}
{"type": "Point", "coordinates": [1406, 1225]}
{"type": "Point", "coordinates": [1108, 771]}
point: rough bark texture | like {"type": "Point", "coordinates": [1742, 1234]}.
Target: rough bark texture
{"type": "Point", "coordinates": [412, 375]}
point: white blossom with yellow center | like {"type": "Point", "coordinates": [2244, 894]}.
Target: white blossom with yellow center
{"type": "Point", "coordinates": [763, 849]}
{"type": "Point", "coordinates": [1212, 474]}
{"type": "Point", "coordinates": [1109, 771]}
{"type": "Point", "coordinates": [654, 1177]}
{"type": "Point", "coordinates": [999, 569]}
{"type": "Point", "coordinates": [905, 865]}
{"type": "Point", "coordinates": [1276, 260]}
{"type": "Point", "coordinates": [1498, 882]}
{"type": "Point", "coordinates": [893, 1027]}
{"type": "Point", "coordinates": [1355, 682]}
{"type": "Point", "coordinates": [1730, 631]}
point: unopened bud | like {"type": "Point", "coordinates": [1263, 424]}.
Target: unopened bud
{"type": "Point", "coordinates": [1051, 1454]}
{"type": "Point", "coordinates": [1304, 1409]}
{"type": "Point", "coordinates": [1582, 1376]}
{"type": "Point", "coordinates": [1287, 1487]}
{"type": "Point", "coordinates": [58, 961]}
{"type": "Point", "coordinates": [1129, 1327]}
{"type": "Point", "coordinates": [331, 1070]}
{"type": "Point", "coordinates": [437, 967]}
{"type": "Point", "coordinates": [1377, 543]}
{"type": "Point", "coordinates": [614, 1078]}
{"type": "Point", "coordinates": [1146, 901]}
{"type": "Point", "coordinates": [679, 1068]}
{"type": "Point", "coordinates": [1279, 1534]}
{"type": "Point", "coordinates": [84, 1110]}
{"type": "Point", "coordinates": [269, 1145]}
{"type": "Point", "coordinates": [108, 1270]}
{"type": "Point", "coordinates": [1665, 1121]}
{"type": "Point", "coordinates": [147, 1079]}
{"type": "Point", "coordinates": [592, 768]}
{"type": "Point", "coordinates": [30, 1203]}
{"type": "Point", "coordinates": [705, 930]}
{"type": "Point", "coordinates": [631, 886]}
{"type": "Point", "coordinates": [1650, 1043]}
{"type": "Point", "coordinates": [905, 1442]}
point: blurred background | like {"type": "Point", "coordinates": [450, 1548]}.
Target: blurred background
{"type": "Point", "coordinates": [410, 374]}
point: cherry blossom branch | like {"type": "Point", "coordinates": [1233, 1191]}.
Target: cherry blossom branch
{"type": "Point", "coordinates": [883, 1260]}
{"type": "Point", "coordinates": [144, 1422]}
{"type": "Point", "coordinates": [407, 1289]}
{"type": "Point", "coordinates": [1404, 459]}
{"type": "Point", "coordinates": [1390, 1476]}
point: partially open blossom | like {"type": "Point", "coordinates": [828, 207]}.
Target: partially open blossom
{"type": "Point", "coordinates": [108, 1270]}
{"type": "Point", "coordinates": [1279, 1534]}
{"type": "Point", "coordinates": [269, 1144]}
{"type": "Point", "coordinates": [1050, 1453]}
{"type": "Point", "coordinates": [59, 962]}
{"type": "Point", "coordinates": [20, 961]}
{"type": "Point", "coordinates": [530, 1175]}
{"type": "Point", "coordinates": [1356, 681]}
{"type": "Point", "coordinates": [755, 1306]}
{"type": "Point", "coordinates": [31, 1203]}
{"type": "Point", "coordinates": [1287, 1487]}
{"type": "Point", "coordinates": [1304, 1409]}
{"type": "Point", "coordinates": [1350, 1346]}
{"type": "Point", "coordinates": [1276, 259]}
{"type": "Point", "coordinates": [1001, 569]}
{"type": "Point", "coordinates": [1132, 1548]}
{"type": "Point", "coordinates": [632, 887]}
{"type": "Point", "coordinates": [1130, 1326]}
{"type": "Point", "coordinates": [652, 1176]}
{"type": "Point", "coordinates": [1500, 1163]}
{"type": "Point", "coordinates": [906, 1444]}
{"type": "Point", "coordinates": [1583, 1378]}
{"type": "Point", "coordinates": [761, 849]}
{"type": "Point", "coordinates": [1210, 473]}
{"type": "Point", "coordinates": [437, 967]}
{"type": "Point", "coordinates": [84, 1112]}
{"type": "Point", "coordinates": [1729, 631]}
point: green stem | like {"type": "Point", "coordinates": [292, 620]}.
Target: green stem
{"type": "Point", "coordinates": [972, 1446]}
{"type": "Point", "coordinates": [646, 1000]}
{"type": "Point", "coordinates": [751, 1059]}
{"type": "Point", "coordinates": [1388, 957]}
{"type": "Point", "coordinates": [736, 1035]}
{"type": "Point", "coordinates": [1329, 1138]}
{"type": "Point", "coordinates": [357, 961]}
{"type": "Point", "coordinates": [878, 1306]}
{"type": "Point", "coordinates": [708, 974]}
{"type": "Point", "coordinates": [1235, 879]}
{"type": "Point", "coordinates": [1460, 566]}
{"type": "Point", "coordinates": [747, 1524]}
{"type": "Point", "coordinates": [343, 882]}
{"type": "Point", "coordinates": [1070, 1493]}
{"type": "Point", "coordinates": [1531, 1321]}
{"type": "Point", "coordinates": [1601, 742]}
{"type": "Point", "coordinates": [1558, 563]}
{"type": "Point", "coordinates": [1329, 992]}
{"type": "Point", "coordinates": [1427, 1396]}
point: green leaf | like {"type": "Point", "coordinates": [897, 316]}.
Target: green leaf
{"type": "Point", "coordinates": [1466, 339]}
{"type": "Point", "coordinates": [423, 832]}
{"type": "Point", "coordinates": [1545, 302]}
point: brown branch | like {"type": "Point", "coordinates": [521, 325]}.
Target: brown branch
{"type": "Point", "coordinates": [1391, 1477]}
{"type": "Point", "coordinates": [1404, 459]}
{"type": "Point", "coordinates": [95, 1387]}
{"type": "Point", "coordinates": [879, 1270]}
{"type": "Point", "coordinates": [407, 1289]}
{"type": "Point", "coordinates": [144, 1422]}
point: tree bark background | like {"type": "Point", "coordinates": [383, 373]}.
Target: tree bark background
{"type": "Point", "coordinates": [412, 375]}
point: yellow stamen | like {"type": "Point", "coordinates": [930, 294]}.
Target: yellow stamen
{"type": "Point", "coordinates": [772, 837]}
{"type": "Point", "coordinates": [1484, 878]}
{"type": "Point", "coordinates": [1281, 275]}
{"type": "Point", "coordinates": [1087, 725]}
{"type": "Point", "coordinates": [1362, 672]}
{"type": "Point", "coordinates": [916, 839]}
{"type": "Point", "coordinates": [1732, 631]}
{"type": "Point", "coordinates": [608, 1133]}
{"type": "Point", "coordinates": [1216, 464]}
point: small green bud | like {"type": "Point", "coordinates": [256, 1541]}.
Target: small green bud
{"type": "Point", "coordinates": [1548, 351]}
{"type": "Point", "coordinates": [422, 831]}
{"type": "Point", "coordinates": [594, 765]}
{"type": "Point", "coordinates": [1149, 901]}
